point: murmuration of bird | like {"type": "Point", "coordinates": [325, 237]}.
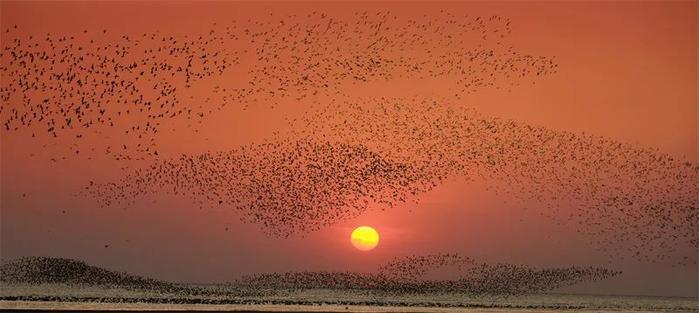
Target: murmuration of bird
{"type": "Point", "coordinates": [623, 196]}
{"type": "Point", "coordinates": [95, 81]}
{"type": "Point", "coordinates": [410, 275]}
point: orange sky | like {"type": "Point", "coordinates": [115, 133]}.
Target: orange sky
{"type": "Point", "coordinates": [627, 70]}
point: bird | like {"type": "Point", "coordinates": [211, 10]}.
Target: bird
{"type": "Point", "coordinates": [351, 153]}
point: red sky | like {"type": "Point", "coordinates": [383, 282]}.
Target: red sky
{"type": "Point", "coordinates": [627, 71]}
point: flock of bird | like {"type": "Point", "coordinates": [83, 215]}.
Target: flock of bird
{"type": "Point", "coordinates": [408, 275]}
{"type": "Point", "coordinates": [324, 54]}
{"type": "Point", "coordinates": [46, 270]}
{"type": "Point", "coordinates": [623, 196]}
{"type": "Point", "coordinates": [289, 187]}
{"type": "Point", "coordinates": [348, 153]}
{"type": "Point", "coordinates": [72, 85]}
{"type": "Point", "coordinates": [339, 160]}
{"type": "Point", "coordinates": [400, 277]}
{"type": "Point", "coordinates": [134, 84]}
{"type": "Point", "coordinates": [34, 270]}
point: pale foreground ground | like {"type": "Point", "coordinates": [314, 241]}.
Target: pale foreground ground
{"type": "Point", "coordinates": [139, 307]}
{"type": "Point", "coordinates": [228, 298]}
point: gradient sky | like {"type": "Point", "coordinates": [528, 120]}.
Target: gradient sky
{"type": "Point", "coordinates": [627, 70]}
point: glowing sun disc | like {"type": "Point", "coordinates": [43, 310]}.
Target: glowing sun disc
{"type": "Point", "coordinates": [364, 238]}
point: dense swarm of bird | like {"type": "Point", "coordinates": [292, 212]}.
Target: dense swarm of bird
{"type": "Point", "coordinates": [399, 276]}
{"type": "Point", "coordinates": [408, 275]}
{"type": "Point", "coordinates": [343, 155]}
{"type": "Point", "coordinates": [390, 150]}
{"type": "Point", "coordinates": [288, 187]}
{"type": "Point", "coordinates": [303, 56]}
{"type": "Point", "coordinates": [46, 270]}
{"type": "Point", "coordinates": [36, 270]}
{"type": "Point", "coordinates": [60, 84]}
{"type": "Point", "coordinates": [70, 84]}
{"type": "Point", "coordinates": [394, 279]}
{"type": "Point", "coordinates": [620, 193]}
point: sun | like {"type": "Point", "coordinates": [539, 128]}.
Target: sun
{"type": "Point", "coordinates": [364, 238]}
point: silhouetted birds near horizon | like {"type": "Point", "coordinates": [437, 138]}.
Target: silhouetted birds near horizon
{"type": "Point", "coordinates": [410, 275]}
{"type": "Point", "coordinates": [397, 277]}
